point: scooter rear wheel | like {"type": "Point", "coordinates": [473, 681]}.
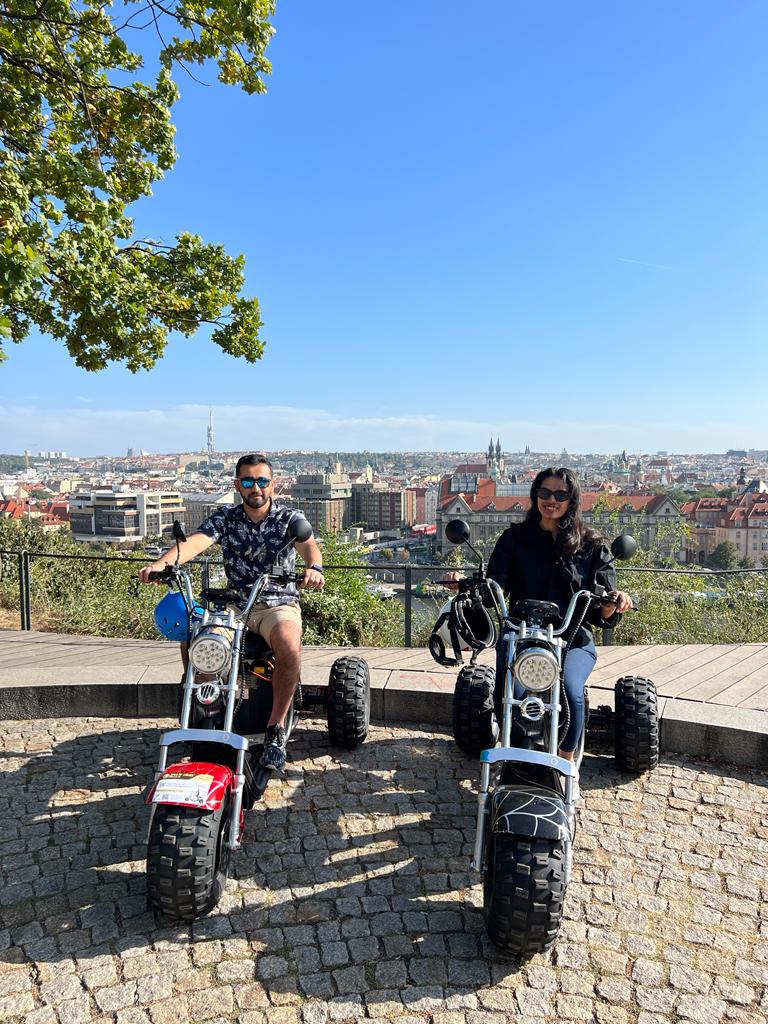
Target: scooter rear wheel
{"type": "Point", "coordinates": [637, 725]}
{"type": "Point", "coordinates": [187, 860]}
{"type": "Point", "coordinates": [523, 892]}
{"type": "Point", "coordinates": [349, 702]}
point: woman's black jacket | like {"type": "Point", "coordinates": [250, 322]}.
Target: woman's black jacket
{"type": "Point", "coordinates": [525, 563]}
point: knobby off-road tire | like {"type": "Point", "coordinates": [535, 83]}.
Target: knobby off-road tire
{"type": "Point", "coordinates": [349, 702]}
{"type": "Point", "coordinates": [474, 719]}
{"type": "Point", "coordinates": [187, 860]}
{"type": "Point", "coordinates": [637, 725]}
{"type": "Point", "coordinates": [523, 892]}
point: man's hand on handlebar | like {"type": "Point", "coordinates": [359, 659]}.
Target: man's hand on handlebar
{"type": "Point", "coordinates": [156, 567]}
{"type": "Point", "coordinates": [312, 579]}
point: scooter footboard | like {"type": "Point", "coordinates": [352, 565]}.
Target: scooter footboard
{"type": "Point", "coordinates": [529, 811]}
{"type": "Point", "coordinates": [193, 784]}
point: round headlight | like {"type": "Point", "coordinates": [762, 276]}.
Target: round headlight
{"type": "Point", "coordinates": [537, 669]}
{"type": "Point", "coordinates": [210, 652]}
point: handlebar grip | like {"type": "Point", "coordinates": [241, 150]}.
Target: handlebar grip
{"type": "Point", "coordinates": [158, 575]}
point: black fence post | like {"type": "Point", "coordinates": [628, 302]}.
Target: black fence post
{"type": "Point", "coordinates": [25, 605]}
{"type": "Point", "coordinates": [408, 606]}
{"type": "Point", "coordinates": [206, 574]}
{"type": "Point", "coordinates": [607, 636]}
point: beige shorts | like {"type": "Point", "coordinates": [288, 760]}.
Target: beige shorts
{"type": "Point", "coordinates": [264, 617]}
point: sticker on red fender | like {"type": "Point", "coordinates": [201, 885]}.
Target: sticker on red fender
{"type": "Point", "coordinates": [192, 788]}
{"type": "Point", "coordinates": [175, 790]}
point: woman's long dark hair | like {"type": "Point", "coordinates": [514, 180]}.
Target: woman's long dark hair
{"type": "Point", "coordinates": [574, 534]}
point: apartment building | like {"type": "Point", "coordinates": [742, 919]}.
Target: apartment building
{"type": "Point", "coordinates": [742, 520]}
{"type": "Point", "coordinates": [198, 506]}
{"type": "Point", "coordinates": [123, 515]}
{"type": "Point", "coordinates": [382, 507]}
{"type": "Point", "coordinates": [488, 515]}
{"type": "Point", "coordinates": [324, 498]}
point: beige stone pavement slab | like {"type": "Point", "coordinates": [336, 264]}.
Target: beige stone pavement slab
{"type": "Point", "coordinates": [49, 675]}
{"type": "Point", "coordinates": [732, 675]}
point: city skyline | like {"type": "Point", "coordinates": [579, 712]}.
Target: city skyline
{"type": "Point", "coordinates": [85, 432]}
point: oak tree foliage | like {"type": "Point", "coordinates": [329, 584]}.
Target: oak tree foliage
{"type": "Point", "coordinates": [81, 138]}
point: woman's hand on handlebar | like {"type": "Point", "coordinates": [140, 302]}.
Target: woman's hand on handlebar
{"type": "Point", "coordinates": [312, 579]}
{"type": "Point", "coordinates": [450, 580]}
{"type": "Point", "coordinates": [617, 601]}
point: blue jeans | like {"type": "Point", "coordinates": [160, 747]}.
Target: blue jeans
{"type": "Point", "coordinates": [579, 663]}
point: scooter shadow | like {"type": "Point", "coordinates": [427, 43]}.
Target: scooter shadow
{"type": "Point", "coordinates": [370, 844]}
{"type": "Point", "coordinates": [73, 845]}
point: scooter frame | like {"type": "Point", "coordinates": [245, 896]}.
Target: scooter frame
{"type": "Point", "coordinates": [506, 754]}
{"type": "Point", "coordinates": [236, 623]}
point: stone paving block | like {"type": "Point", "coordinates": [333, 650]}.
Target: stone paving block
{"type": "Point", "coordinates": [359, 914]}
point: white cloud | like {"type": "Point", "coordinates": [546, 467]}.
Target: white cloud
{"type": "Point", "coordinates": [83, 431]}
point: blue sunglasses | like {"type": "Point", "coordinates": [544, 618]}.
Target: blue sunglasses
{"type": "Point", "coordinates": [248, 481]}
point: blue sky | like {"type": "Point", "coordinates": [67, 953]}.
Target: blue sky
{"type": "Point", "coordinates": [542, 221]}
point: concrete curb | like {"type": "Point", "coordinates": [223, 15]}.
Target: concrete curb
{"type": "Point", "coordinates": [736, 735]}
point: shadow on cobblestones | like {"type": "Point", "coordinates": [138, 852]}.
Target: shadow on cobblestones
{"type": "Point", "coordinates": [352, 898]}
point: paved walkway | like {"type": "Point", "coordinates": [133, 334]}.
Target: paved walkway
{"type": "Point", "coordinates": [733, 676]}
{"type": "Point", "coordinates": [352, 899]}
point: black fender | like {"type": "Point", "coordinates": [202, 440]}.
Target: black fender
{"type": "Point", "coordinates": [529, 811]}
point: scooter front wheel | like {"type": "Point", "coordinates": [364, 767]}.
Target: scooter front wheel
{"type": "Point", "coordinates": [187, 859]}
{"type": "Point", "coordinates": [523, 892]}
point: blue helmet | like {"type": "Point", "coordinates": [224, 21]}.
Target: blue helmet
{"type": "Point", "coordinates": [172, 617]}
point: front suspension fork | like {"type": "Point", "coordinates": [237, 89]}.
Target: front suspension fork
{"type": "Point", "coordinates": [478, 857]}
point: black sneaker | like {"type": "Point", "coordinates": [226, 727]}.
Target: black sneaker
{"type": "Point", "coordinates": [273, 756]}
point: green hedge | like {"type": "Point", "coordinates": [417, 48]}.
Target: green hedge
{"type": "Point", "coordinates": [104, 598]}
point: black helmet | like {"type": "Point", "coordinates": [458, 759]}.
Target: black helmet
{"type": "Point", "coordinates": [463, 624]}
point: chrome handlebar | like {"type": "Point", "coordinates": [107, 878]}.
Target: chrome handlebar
{"type": "Point", "coordinates": [498, 595]}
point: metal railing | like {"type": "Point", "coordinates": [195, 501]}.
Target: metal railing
{"type": "Point", "coordinates": [407, 570]}
{"type": "Point", "coordinates": [24, 560]}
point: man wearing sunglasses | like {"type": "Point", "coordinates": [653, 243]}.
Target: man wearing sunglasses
{"type": "Point", "coordinates": [251, 535]}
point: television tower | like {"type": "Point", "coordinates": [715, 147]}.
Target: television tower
{"type": "Point", "coordinates": [211, 446]}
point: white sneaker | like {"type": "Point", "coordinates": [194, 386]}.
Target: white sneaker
{"type": "Point", "coordinates": [576, 790]}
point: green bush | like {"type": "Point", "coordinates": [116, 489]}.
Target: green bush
{"type": "Point", "coordinates": [344, 613]}
{"type": "Point", "coordinates": [104, 598]}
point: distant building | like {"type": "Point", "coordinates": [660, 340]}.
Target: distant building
{"type": "Point", "coordinates": [324, 498]}
{"type": "Point", "coordinates": [197, 507]}
{"type": "Point", "coordinates": [742, 520]}
{"type": "Point", "coordinates": [425, 504]}
{"type": "Point", "coordinates": [489, 515]}
{"type": "Point", "coordinates": [123, 515]}
{"type": "Point", "coordinates": [382, 507]}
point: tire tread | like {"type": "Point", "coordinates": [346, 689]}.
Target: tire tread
{"type": "Point", "coordinates": [349, 702]}
{"type": "Point", "coordinates": [523, 893]}
{"type": "Point", "coordinates": [474, 718]}
{"type": "Point", "coordinates": [183, 877]}
{"type": "Point", "coordinates": [636, 724]}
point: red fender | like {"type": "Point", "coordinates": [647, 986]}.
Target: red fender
{"type": "Point", "coordinates": [193, 784]}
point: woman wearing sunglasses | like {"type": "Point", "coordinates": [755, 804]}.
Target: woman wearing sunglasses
{"type": "Point", "coordinates": [548, 557]}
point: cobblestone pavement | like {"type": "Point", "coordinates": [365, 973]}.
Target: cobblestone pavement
{"type": "Point", "coordinates": [352, 897]}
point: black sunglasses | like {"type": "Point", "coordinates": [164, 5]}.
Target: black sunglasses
{"type": "Point", "coordinates": [248, 481]}
{"type": "Point", "coordinates": [544, 493]}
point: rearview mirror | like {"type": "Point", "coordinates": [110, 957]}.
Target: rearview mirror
{"type": "Point", "coordinates": [299, 529]}
{"type": "Point", "coordinates": [457, 531]}
{"type": "Point", "coordinates": [624, 546]}
{"type": "Point", "coordinates": [178, 532]}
